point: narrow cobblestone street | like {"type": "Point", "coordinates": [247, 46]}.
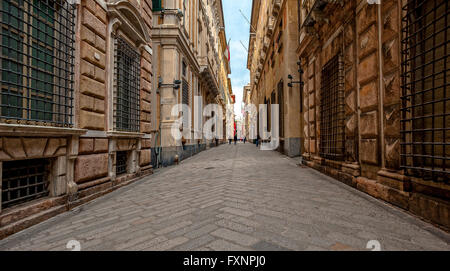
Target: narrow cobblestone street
{"type": "Point", "coordinates": [233, 198]}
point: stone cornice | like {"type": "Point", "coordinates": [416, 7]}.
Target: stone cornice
{"type": "Point", "coordinates": [34, 130]}
{"type": "Point", "coordinates": [173, 35]}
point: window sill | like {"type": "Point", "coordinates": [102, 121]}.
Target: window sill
{"type": "Point", "coordinates": [34, 130]}
{"type": "Point", "coordinates": [116, 134]}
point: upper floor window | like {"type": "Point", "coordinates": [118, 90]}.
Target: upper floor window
{"type": "Point", "coordinates": [37, 60]}
{"type": "Point", "coordinates": [127, 75]}
{"type": "Point", "coordinates": [157, 5]}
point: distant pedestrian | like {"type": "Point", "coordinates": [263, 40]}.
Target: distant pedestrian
{"type": "Point", "coordinates": [245, 139]}
{"type": "Point", "coordinates": [257, 141]}
{"type": "Point", "coordinates": [235, 139]}
{"type": "Point", "coordinates": [229, 141]}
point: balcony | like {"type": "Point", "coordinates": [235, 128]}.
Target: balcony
{"type": "Point", "coordinates": [276, 7]}
{"type": "Point", "coordinates": [262, 57]}
{"type": "Point", "coordinates": [314, 11]}
{"type": "Point", "coordinates": [266, 43]}
{"type": "Point", "coordinates": [208, 75]}
{"type": "Point", "coordinates": [270, 26]}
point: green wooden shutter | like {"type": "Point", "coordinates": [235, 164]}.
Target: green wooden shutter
{"type": "Point", "coordinates": [157, 5]}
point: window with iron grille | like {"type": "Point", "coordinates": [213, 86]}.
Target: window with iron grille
{"type": "Point", "coordinates": [185, 92]}
{"type": "Point", "coordinates": [425, 120]}
{"type": "Point", "coordinates": [24, 181]}
{"type": "Point", "coordinates": [128, 76]}
{"type": "Point", "coordinates": [332, 110]}
{"type": "Point", "coordinates": [121, 162]}
{"type": "Point", "coordinates": [37, 59]}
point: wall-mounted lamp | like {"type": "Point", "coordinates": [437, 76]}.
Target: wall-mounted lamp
{"type": "Point", "coordinates": [290, 77]}
{"type": "Point", "coordinates": [175, 85]}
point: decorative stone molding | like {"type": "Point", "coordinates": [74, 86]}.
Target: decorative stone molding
{"type": "Point", "coordinates": [17, 148]}
{"type": "Point", "coordinates": [131, 21]}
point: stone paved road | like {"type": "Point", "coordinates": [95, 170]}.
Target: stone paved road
{"type": "Point", "coordinates": [233, 198]}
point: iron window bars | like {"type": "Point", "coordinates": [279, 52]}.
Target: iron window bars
{"type": "Point", "coordinates": [37, 60]}
{"type": "Point", "coordinates": [128, 76]}
{"type": "Point", "coordinates": [425, 98]}
{"type": "Point", "coordinates": [332, 110]}
{"type": "Point", "coordinates": [24, 180]}
{"type": "Point", "coordinates": [121, 162]}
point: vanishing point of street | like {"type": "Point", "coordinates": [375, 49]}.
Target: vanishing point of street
{"type": "Point", "coordinates": [233, 197]}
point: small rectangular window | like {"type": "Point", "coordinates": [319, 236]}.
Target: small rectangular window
{"type": "Point", "coordinates": [121, 162]}
{"type": "Point", "coordinates": [24, 181]}
{"type": "Point", "coordinates": [157, 6]}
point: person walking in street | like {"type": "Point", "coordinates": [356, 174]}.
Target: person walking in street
{"type": "Point", "coordinates": [245, 139]}
{"type": "Point", "coordinates": [257, 141]}
{"type": "Point", "coordinates": [235, 139]}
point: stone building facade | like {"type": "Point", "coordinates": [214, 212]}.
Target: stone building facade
{"type": "Point", "coordinates": [189, 43]}
{"type": "Point", "coordinates": [76, 104]}
{"type": "Point", "coordinates": [375, 99]}
{"type": "Point", "coordinates": [271, 58]}
{"type": "Point", "coordinates": [246, 100]}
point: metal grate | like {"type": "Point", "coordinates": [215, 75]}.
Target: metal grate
{"type": "Point", "coordinates": [185, 92]}
{"type": "Point", "coordinates": [332, 110]}
{"type": "Point", "coordinates": [128, 76]}
{"type": "Point", "coordinates": [425, 98]}
{"type": "Point", "coordinates": [121, 162]}
{"type": "Point", "coordinates": [24, 180]}
{"type": "Point", "coordinates": [37, 60]}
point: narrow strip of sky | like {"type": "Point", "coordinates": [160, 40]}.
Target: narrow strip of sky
{"type": "Point", "coordinates": [238, 29]}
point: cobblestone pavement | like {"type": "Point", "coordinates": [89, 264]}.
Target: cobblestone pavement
{"type": "Point", "coordinates": [233, 198]}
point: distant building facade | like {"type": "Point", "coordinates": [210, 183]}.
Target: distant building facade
{"type": "Point", "coordinates": [271, 57]}
{"type": "Point", "coordinates": [189, 44]}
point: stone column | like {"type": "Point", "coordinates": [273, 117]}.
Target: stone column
{"type": "Point", "coordinates": [169, 98]}
{"type": "Point", "coordinates": [112, 159]}
{"type": "Point", "coordinates": [58, 176]}
{"type": "Point", "coordinates": [72, 153]}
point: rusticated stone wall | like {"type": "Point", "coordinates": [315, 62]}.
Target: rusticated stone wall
{"type": "Point", "coordinates": [92, 66]}
{"type": "Point", "coordinates": [369, 36]}
{"type": "Point", "coordinates": [82, 159]}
